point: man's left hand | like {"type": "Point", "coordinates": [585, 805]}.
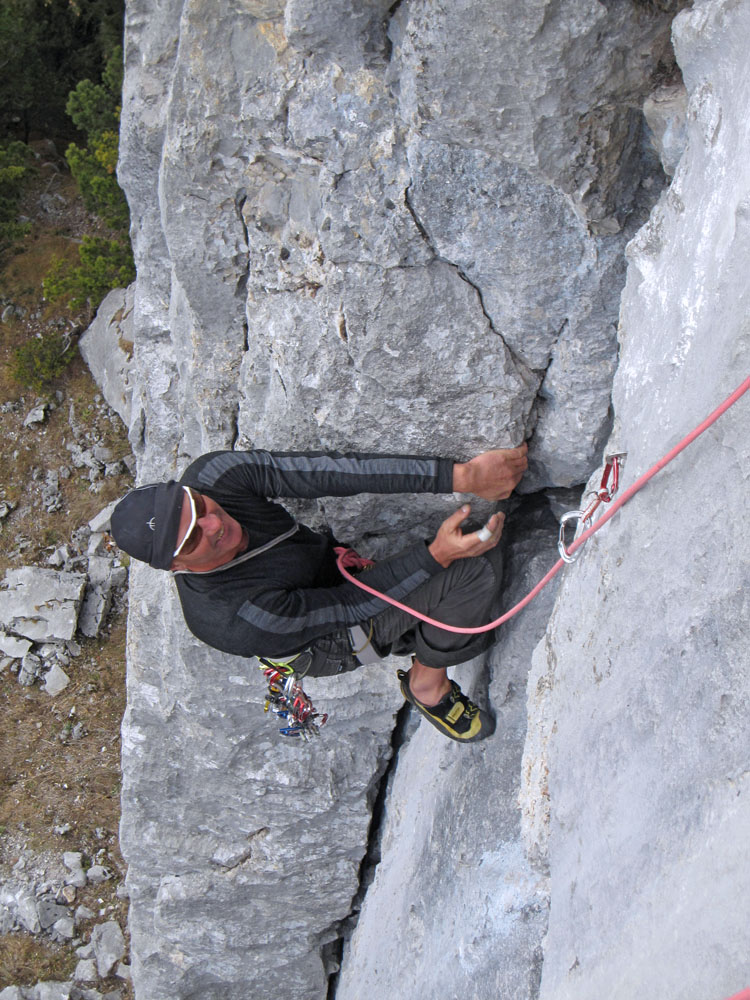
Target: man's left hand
{"type": "Point", "coordinates": [493, 475]}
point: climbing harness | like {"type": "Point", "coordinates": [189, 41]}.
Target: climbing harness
{"type": "Point", "coordinates": [582, 538]}
{"type": "Point", "coordinates": [287, 700]}
{"type": "Point", "coordinates": [605, 494]}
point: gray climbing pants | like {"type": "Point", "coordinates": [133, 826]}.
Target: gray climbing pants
{"type": "Point", "coordinates": [467, 593]}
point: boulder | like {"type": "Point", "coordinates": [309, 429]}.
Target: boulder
{"type": "Point", "coordinates": [107, 348]}
{"type": "Point", "coordinates": [41, 604]}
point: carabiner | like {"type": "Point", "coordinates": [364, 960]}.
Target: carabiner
{"type": "Point", "coordinates": [568, 516]}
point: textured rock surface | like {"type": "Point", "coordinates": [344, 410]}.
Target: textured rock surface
{"type": "Point", "coordinates": [291, 217]}
{"type": "Point", "coordinates": [404, 227]}
{"type": "Point", "coordinates": [41, 604]}
{"type": "Point", "coordinates": [455, 907]}
{"type": "Point", "coordinates": [232, 832]}
{"type": "Point", "coordinates": [637, 799]}
{"type": "Point", "coordinates": [107, 348]}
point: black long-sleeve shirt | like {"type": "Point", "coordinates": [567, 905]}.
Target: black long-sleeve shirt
{"type": "Point", "coordinates": [277, 602]}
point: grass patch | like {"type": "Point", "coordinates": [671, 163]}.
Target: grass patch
{"type": "Point", "coordinates": [49, 780]}
{"type": "Point", "coordinates": [22, 273]}
{"type": "Point", "coordinates": [25, 960]}
{"type": "Point", "coordinates": [39, 361]}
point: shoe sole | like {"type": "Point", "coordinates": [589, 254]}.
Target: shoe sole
{"type": "Point", "coordinates": [486, 726]}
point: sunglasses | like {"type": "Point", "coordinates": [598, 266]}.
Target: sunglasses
{"type": "Point", "coordinates": [193, 535]}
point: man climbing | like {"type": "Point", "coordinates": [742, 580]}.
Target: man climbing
{"type": "Point", "coordinates": [254, 582]}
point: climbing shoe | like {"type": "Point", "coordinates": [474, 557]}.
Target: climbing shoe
{"type": "Point", "coordinates": [455, 715]}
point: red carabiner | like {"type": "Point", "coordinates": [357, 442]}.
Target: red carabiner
{"type": "Point", "coordinates": [605, 493]}
{"type": "Point", "coordinates": [613, 464]}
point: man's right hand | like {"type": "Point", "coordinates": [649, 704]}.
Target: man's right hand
{"type": "Point", "coordinates": [451, 543]}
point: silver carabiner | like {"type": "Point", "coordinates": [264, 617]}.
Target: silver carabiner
{"type": "Point", "coordinates": [568, 516]}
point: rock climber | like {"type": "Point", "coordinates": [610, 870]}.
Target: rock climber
{"type": "Point", "coordinates": [254, 582]}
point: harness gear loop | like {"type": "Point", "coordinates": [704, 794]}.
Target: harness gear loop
{"type": "Point", "coordinates": [286, 698]}
{"type": "Point", "coordinates": [368, 639]}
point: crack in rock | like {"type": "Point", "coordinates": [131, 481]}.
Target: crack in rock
{"type": "Point", "coordinates": [517, 361]}
{"type": "Point", "coordinates": [332, 952]}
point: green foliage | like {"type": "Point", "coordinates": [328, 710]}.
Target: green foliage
{"type": "Point", "coordinates": [97, 183]}
{"type": "Point", "coordinates": [41, 360]}
{"type": "Point", "coordinates": [15, 165]}
{"type": "Point", "coordinates": [107, 149]}
{"type": "Point", "coordinates": [95, 107]}
{"type": "Point", "coordinates": [95, 110]}
{"type": "Point", "coordinates": [47, 46]}
{"type": "Point", "coordinates": [90, 106]}
{"type": "Point", "coordinates": [50, 48]}
{"type": "Point", "coordinates": [15, 168]}
{"type": "Point", "coordinates": [104, 265]}
{"type": "Point", "coordinates": [114, 72]}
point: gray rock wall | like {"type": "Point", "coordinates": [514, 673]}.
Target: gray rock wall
{"type": "Point", "coordinates": [377, 227]}
{"type": "Point", "coordinates": [455, 907]}
{"type": "Point", "coordinates": [636, 797]}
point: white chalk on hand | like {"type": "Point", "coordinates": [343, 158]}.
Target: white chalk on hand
{"type": "Point", "coordinates": [484, 534]}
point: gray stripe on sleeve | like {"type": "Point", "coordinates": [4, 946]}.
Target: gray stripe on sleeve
{"type": "Point", "coordinates": [279, 624]}
{"type": "Point", "coordinates": [343, 465]}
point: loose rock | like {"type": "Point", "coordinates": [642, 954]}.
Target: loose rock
{"type": "Point", "coordinates": [31, 668]}
{"type": "Point", "coordinates": [85, 971]}
{"type": "Point", "coordinates": [55, 681]}
{"type": "Point", "coordinates": [36, 416]}
{"type": "Point", "coordinates": [11, 645]}
{"type": "Point", "coordinates": [6, 507]}
{"type": "Point", "coordinates": [98, 874]}
{"type": "Point", "coordinates": [41, 604]}
{"type": "Point", "coordinates": [109, 946]}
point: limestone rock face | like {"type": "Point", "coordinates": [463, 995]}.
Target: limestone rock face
{"type": "Point", "coordinates": [552, 90]}
{"type": "Point", "coordinates": [324, 167]}
{"type": "Point", "coordinates": [636, 798]}
{"type": "Point", "coordinates": [455, 899]}
{"type": "Point", "coordinates": [238, 839]}
{"type": "Point", "coordinates": [403, 227]}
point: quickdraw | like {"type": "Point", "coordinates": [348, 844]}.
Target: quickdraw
{"type": "Point", "coordinates": [605, 493]}
{"type": "Point", "coordinates": [286, 699]}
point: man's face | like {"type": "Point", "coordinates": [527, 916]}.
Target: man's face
{"type": "Point", "coordinates": [215, 539]}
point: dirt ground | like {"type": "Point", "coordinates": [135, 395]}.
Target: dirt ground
{"type": "Point", "coordinates": [59, 781]}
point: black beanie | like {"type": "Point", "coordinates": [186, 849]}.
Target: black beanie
{"type": "Point", "coordinates": [146, 522]}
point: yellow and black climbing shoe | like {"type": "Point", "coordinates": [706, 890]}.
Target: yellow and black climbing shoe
{"type": "Point", "coordinates": [455, 715]}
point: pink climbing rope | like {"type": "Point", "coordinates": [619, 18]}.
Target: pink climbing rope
{"type": "Point", "coordinates": [581, 540]}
